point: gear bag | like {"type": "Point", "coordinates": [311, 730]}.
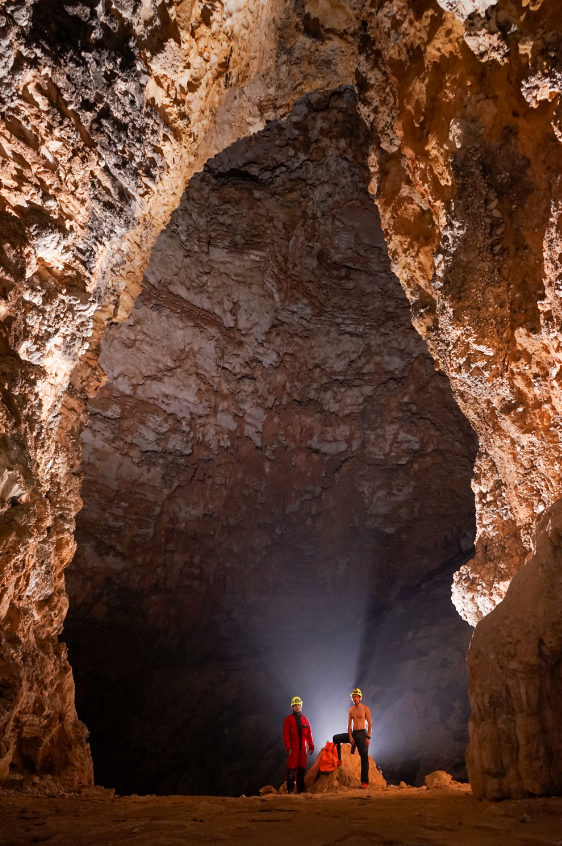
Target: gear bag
{"type": "Point", "coordinates": [328, 759]}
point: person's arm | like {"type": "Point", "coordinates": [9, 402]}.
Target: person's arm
{"type": "Point", "coordinates": [349, 725]}
{"type": "Point", "coordinates": [369, 727]}
{"type": "Point", "coordinates": [310, 740]}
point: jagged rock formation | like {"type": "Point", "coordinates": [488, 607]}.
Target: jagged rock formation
{"type": "Point", "coordinates": [274, 470]}
{"type": "Point", "coordinates": [346, 777]}
{"type": "Point", "coordinates": [107, 108]}
{"type": "Point", "coordinates": [94, 122]}
{"type": "Point", "coordinates": [485, 160]}
{"type": "Point", "coordinates": [516, 679]}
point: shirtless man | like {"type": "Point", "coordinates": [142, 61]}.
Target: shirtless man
{"type": "Point", "coordinates": [357, 734]}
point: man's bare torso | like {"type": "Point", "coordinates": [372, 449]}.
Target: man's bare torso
{"type": "Point", "coordinates": [358, 715]}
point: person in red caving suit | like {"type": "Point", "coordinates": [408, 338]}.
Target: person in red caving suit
{"type": "Point", "coordinates": [297, 735]}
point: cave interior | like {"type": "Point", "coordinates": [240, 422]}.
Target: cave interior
{"type": "Point", "coordinates": [276, 486]}
{"type": "Point", "coordinates": [280, 391]}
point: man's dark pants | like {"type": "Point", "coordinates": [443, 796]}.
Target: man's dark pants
{"type": "Point", "coordinates": [359, 738]}
{"type": "Point", "coordinates": [300, 771]}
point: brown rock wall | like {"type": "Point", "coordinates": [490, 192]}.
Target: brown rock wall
{"type": "Point", "coordinates": [102, 106]}
{"type": "Point", "coordinates": [471, 215]}
{"type": "Point", "coordinates": [516, 680]}
{"type": "Point", "coordinates": [466, 207]}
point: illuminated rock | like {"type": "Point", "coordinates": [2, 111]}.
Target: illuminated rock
{"type": "Point", "coordinates": [344, 778]}
{"type": "Point", "coordinates": [267, 790]}
{"type": "Point", "coordinates": [515, 660]}
{"type": "Point", "coordinates": [440, 780]}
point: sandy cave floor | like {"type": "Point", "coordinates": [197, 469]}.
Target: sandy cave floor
{"type": "Point", "coordinates": [407, 817]}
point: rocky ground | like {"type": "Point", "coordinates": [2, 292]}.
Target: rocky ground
{"type": "Point", "coordinates": [394, 817]}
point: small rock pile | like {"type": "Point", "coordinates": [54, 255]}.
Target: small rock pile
{"type": "Point", "coordinates": [49, 787]}
{"type": "Point", "coordinates": [346, 777]}
{"type": "Point", "coordinates": [440, 780]}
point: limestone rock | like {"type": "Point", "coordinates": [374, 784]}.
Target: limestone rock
{"type": "Point", "coordinates": [515, 664]}
{"type": "Point", "coordinates": [439, 780]}
{"type": "Point", "coordinates": [344, 778]}
{"type": "Point", "coordinates": [267, 790]}
{"type": "Point", "coordinates": [94, 120]}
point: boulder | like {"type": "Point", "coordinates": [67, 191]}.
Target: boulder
{"type": "Point", "coordinates": [440, 780]}
{"type": "Point", "coordinates": [346, 777]}
{"type": "Point", "coordinates": [265, 791]}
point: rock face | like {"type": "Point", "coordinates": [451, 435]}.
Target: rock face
{"type": "Point", "coordinates": [93, 104]}
{"type": "Point", "coordinates": [516, 679]}
{"type": "Point", "coordinates": [471, 234]}
{"type": "Point", "coordinates": [272, 477]}
{"type": "Point", "coordinates": [346, 777]}
{"type": "Point", "coordinates": [106, 111]}
{"type": "Point", "coordinates": [482, 271]}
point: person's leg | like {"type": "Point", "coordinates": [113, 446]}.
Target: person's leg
{"type": "Point", "coordinates": [292, 764]}
{"type": "Point", "coordinates": [365, 766]}
{"type": "Point", "coordinates": [301, 787]}
{"type": "Point", "coordinates": [360, 738]}
{"type": "Point", "coordinates": [291, 779]}
{"type": "Point", "coordinates": [301, 769]}
{"type": "Point", "coordinates": [338, 739]}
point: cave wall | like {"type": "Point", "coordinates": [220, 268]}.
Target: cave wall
{"type": "Point", "coordinates": [108, 109]}
{"type": "Point", "coordinates": [276, 485]}
{"type": "Point", "coordinates": [516, 672]}
{"type": "Point", "coordinates": [94, 124]}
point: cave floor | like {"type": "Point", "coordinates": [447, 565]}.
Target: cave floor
{"type": "Point", "coordinates": [402, 818]}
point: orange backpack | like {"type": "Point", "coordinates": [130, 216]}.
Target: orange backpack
{"type": "Point", "coordinates": [328, 759]}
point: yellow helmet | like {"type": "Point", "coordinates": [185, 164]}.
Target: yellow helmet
{"type": "Point", "coordinates": [296, 700]}
{"type": "Point", "coordinates": [356, 692]}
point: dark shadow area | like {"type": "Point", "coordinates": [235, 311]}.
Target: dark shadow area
{"type": "Point", "coordinates": [276, 486]}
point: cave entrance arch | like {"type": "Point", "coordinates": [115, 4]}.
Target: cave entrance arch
{"type": "Point", "coordinates": [276, 485]}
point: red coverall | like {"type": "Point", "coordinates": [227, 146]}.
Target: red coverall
{"type": "Point", "coordinates": [297, 759]}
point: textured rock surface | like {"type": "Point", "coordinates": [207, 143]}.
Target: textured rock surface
{"type": "Point", "coordinates": [440, 780]}
{"type": "Point", "coordinates": [101, 106]}
{"type": "Point", "coordinates": [346, 777]}
{"type": "Point", "coordinates": [431, 817]}
{"type": "Point", "coordinates": [516, 679]}
{"type": "Point", "coordinates": [470, 215]}
{"type": "Point", "coordinates": [105, 111]}
{"type": "Point", "coordinates": [272, 475]}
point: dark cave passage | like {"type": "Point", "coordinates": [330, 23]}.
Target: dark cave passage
{"type": "Point", "coordinates": [276, 486]}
